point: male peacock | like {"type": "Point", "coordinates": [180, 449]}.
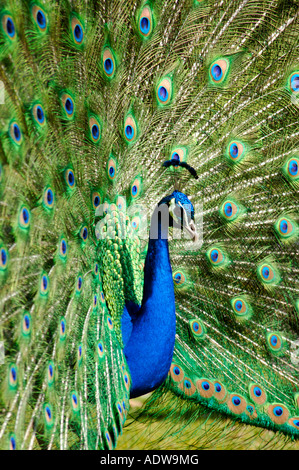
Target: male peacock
{"type": "Point", "coordinates": [114, 111]}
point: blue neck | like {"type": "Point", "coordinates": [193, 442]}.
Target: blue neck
{"type": "Point", "coordinates": [149, 340]}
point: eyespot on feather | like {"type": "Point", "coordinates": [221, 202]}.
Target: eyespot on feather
{"type": "Point", "coordinates": [48, 198]}
{"type": "Point", "coordinates": [48, 415]}
{"type": "Point", "coordinates": [96, 269]}
{"type": "Point", "coordinates": [291, 169]}
{"type": "Point", "coordinates": [216, 257]}
{"type": "Point", "coordinates": [39, 115]}
{"type": "Point", "coordinates": [79, 284]}
{"type": "Point", "coordinates": [4, 258]}
{"type": "Point", "coordinates": [24, 218]}
{"type": "Point", "coordinates": [205, 388]}
{"type": "Point", "coordinates": [220, 392]}
{"type": "Point", "coordinates": [94, 130]}
{"type": "Point", "coordinates": [26, 324]}
{"type": "Point", "coordinates": [68, 105]}
{"type": "Point", "coordinates": [251, 411]}
{"type": "Point", "coordinates": [257, 394]}
{"type": "Point", "coordinates": [294, 422]}
{"type": "Point", "coordinates": [268, 274]}
{"type": "Point", "coordinates": [164, 91]}
{"type": "Point", "coordinates": [136, 188]}
{"type": "Point", "coordinates": [15, 133]}
{"type": "Point", "coordinates": [235, 151]}
{"type": "Point", "coordinates": [111, 169]}
{"type": "Point", "coordinates": [145, 22]}
{"type": "Point", "coordinates": [278, 413]}
{"type": "Point", "coordinates": [79, 353]}
{"type": "Point", "coordinates": [8, 26]}
{"type": "Point", "coordinates": [84, 234]}
{"type": "Point", "coordinates": [109, 322]}
{"type": "Point", "coordinates": [229, 210]}
{"type": "Point", "coordinates": [77, 31]}
{"type": "Point", "coordinates": [176, 372]}
{"type": "Point", "coordinates": [179, 154]}
{"type": "Point", "coordinates": [50, 373]}
{"type": "Point", "coordinates": [102, 297]}
{"type": "Point", "coordinates": [63, 248]}
{"type": "Point", "coordinates": [121, 203]}
{"type": "Point", "coordinates": [44, 285]}
{"type": "Point", "coordinates": [40, 18]}
{"type": "Point", "coordinates": [127, 381]}
{"type": "Point", "coordinates": [241, 308]}
{"type": "Point", "coordinates": [12, 442]}
{"type": "Point", "coordinates": [109, 65]}
{"type": "Point", "coordinates": [100, 349]}
{"type": "Point", "coordinates": [96, 199]}
{"type": "Point", "coordinates": [69, 178]}
{"type": "Point", "coordinates": [13, 376]}
{"type": "Point", "coordinates": [218, 71]}
{"type": "Point", "coordinates": [187, 386]}
{"type": "Point", "coordinates": [130, 129]}
{"type": "Point", "coordinates": [294, 82]}
{"type": "Point", "coordinates": [236, 403]}
{"type": "Point", "coordinates": [275, 342]}
{"type": "Point", "coordinates": [135, 223]}
{"type": "Point", "coordinates": [74, 400]}
{"type": "Point", "coordinates": [62, 329]}
{"type": "Point", "coordinates": [286, 228]}
{"type": "Point", "coordinates": [197, 328]}
{"type": "Point", "coordinates": [179, 278]}
{"type": "Point", "coordinates": [108, 440]}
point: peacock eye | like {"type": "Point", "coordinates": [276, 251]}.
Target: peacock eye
{"type": "Point", "coordinates": [218, 71]}
{"type": "Point", "coordinates": [95, 131]}
{"type": "Point", "coordinates": [41, 19]}
{"type": "Point", "coordinates": [24, 218]}
{"type": "Point", "coordinates": [9, 26]}
{"type": "Point", "coordinates": [109, 65]}
{"type": "Point", "coordinates": [294, 82]}
{"type": "Point", "coordinates": [12, 443]}
{"type": "Point", "coordinates": [164, 91]}
{"type": "Point", "coordinates": [69, 177]}
{"type": "Point", "coordinates": [84, 233]}
{"type": "Point", "coordinates": [111, 169]}
{"type": "Point", "coordinates": [15, 133]}
{"type": "Point", "coordinates": [3, 258]}
{"type": "Point", "coordinates": [39, 115]}
{"type": "Point", "coordinates": [68, 105]}
{"type": "Point", "coordinates": [144, 25]}
{"type": "Point", "coordinates": [77, 31]}
{"type": "Point", "coordinates": [146, 22]}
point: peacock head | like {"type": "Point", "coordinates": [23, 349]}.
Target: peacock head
{"type": "Point", "coordinates": [181, 213]}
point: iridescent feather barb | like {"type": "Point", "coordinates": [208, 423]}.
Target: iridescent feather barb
{"type": "Point", "coordinates": [106, 105]}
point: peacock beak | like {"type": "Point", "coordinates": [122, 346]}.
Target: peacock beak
{"type": "Point", "coordinates": [189, 227]}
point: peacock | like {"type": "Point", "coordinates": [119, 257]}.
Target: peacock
{"type": "Point", "coordinates": [149, 225]}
